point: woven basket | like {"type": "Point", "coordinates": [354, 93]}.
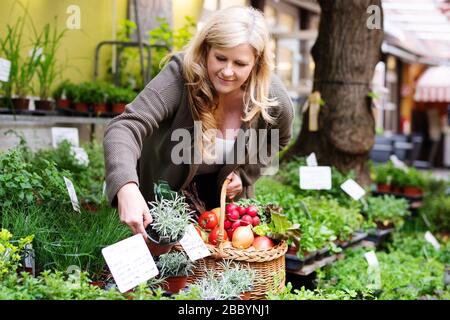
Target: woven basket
{"type": "Point", "coordinates": [268, 265]}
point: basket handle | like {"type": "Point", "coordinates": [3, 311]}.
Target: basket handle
{"type": "Point", "coordinates": [220, 235]}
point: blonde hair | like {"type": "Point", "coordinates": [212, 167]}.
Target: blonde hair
{"type": "Point", "coordinates": [229, 28]}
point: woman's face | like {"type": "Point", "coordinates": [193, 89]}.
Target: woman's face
{"type": "Point", "coordinates": [228, 69]}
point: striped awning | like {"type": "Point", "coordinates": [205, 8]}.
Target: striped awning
{"type": "Point", "coordinates": [434, 85]}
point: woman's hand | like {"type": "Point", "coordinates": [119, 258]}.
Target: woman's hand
{"type": "Point", "coordinates": [133, 209]}
{"type": "Point", "coordinates": [235, 186]}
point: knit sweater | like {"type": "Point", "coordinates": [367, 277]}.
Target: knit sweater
{"type": "Point", "coordinates": [138, 143]}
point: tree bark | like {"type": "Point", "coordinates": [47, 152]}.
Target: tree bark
{"type": "Point", "coordinates": [345, 53]}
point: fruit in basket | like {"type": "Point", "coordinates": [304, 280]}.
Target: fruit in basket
{"type": "Point", "coordinates": [235, 225]}
{"type": "Point", "coordinates": [262, 243]}
{"type": "Point", "coordinates": [256, 221]}
{"type": "Point", "coordinates": [212, 239]}
{"type": "Point", "coordinates": [233, 215]}
{"type": "Point", "coordinates": [242, 211]}
{"type": "Point", "coordinates": [230, 233]}
{"type": "Point", "coordinates": [217, 212]}
{"type": "Point", "coordinates": [246, 220]}
{"type": "Point", "coordinates": [227, 224]}
{"type": "Point", "coordinates": [202, 233]}
{"type": "Point", "coordinates": [230, 207]}
{"type": "Point", "coordinates": [208, 220]}
{"type": "Point", "coordinates": [252, 211]}
{"type": "Point", "coordinates": [242, 237]}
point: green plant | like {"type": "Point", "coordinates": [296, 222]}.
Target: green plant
{"type": "Point", "coordinates": [414, 178]}
{"type": "Point", "coordinates": [387, 209]}
{"type": "Point", "coordinates": [10, 254]}
{"type": "Point", "coordinates": [47, 70]}
{"type": "Point", "coordinates": [166, 36]}
{"type": "Point", "coordinates": [225, 285]}
{"type": "Point", "coordinates": [61, 91]}
{"type": "Point", "coordinates": [174, 264]}
{"type": "Point", "coordinates": [436, 211]}
{"type": "Point", "coordinates": [170, 217]}
{"type": "Point", "coordinates": [383, 173]}
{"type": "Point", "coordinates": [120, 95]}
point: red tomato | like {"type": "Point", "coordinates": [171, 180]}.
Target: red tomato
{"type": "Point", "coordinates": [252, 211]}
{"type": "Point", "coordinates": [214, 234]}
{"type": "Point", "coordinates": [208, 220]}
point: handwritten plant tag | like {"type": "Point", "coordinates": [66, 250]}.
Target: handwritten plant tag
{"type": "Point", "coordinates": [193, 244]}
{"type": "Point", "coordinates": [315, 178]}
{"type": "Point", "coordinates": [130, 262]}
{"type": "Point", "coordinates": [373, 271]}
{"type": "Point", "coordinates": [311, 160]}
{"type": "Point", "coordinates": [431, 239]}
{"type": "Point", "coordinates": [72, 194]}
{"type": "Point", "coordinates": [353, 189]}
{"type": "Point", "coordinates": [69, 134]}
{"type": "Point", "coordinates": [5, 69]}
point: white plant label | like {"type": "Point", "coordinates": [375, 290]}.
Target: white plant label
{"type": "Point", "coordinates": [311, 160]}
{"type": "Point", "coordinates": [69, 134]}
{"type": "Point", "coordinates": [373, 271]}
{"type": "Point", "coordinates": [397, 162]}
{"type": "Point", "coordinates": [353, 189]}
{"type": "Point", "coordinates": [72, 194]}
{"type": "Point", "coordinates": [315, 178]}
{"type": "Point", "coordinates": [193, 244]}
{"type": "Point", "coordinates": [81, 155]}
{"type": "Point", "coordinates": [431, 239]}
{"type": "Point", "coordinates": [372, 259]}
{"type": "Point", "coordinates": [130, 262]}
{"type": "Point", "coordinates": [104, 188]}
{"type": "Point", "coordinates": [5, 69]}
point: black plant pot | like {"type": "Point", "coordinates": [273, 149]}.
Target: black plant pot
{"type": "Point", "coordinates": [159, 245]}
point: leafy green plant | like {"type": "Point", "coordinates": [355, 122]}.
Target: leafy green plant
{"type": "Point", "coordinates": [436, 211]}
{"type": "Point", "coordinates": [174, 39]}
{"type": "Point", "coordinates": [387, 210]}
{"type": "Point", "coordinates": [61, 91]}
{"type": "Point", "coordinates": [170, 217]}
{"type": "Point", "coordinates": [174, 264]}
{"type": "Point", "coordinates": [120, 95]}
{"type": "Point", "coordinates": [47, 70]}
{"type": "Point", "coordinates": [10, 254]}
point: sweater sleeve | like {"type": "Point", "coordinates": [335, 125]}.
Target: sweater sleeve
{"type": "Point", "coordinates": [125, 134]}
{"type": "Point", "coordinates": [284, 114]}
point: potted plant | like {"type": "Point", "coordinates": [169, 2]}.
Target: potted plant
{"type": "Point", "coordinates": [47, 70]}
{"type": "Point", "coordinates": [96, 97]}
{"type": "Point", "coordinates": [414, 182]}
{"type": "Point", "coordinates": [175, 267]}
{"type": "Point", "coordinates": [76, 94]}
{"type": "Point", "coordinates": [386, 211]}
{"type": "Point", "coordinates": [119, 97]}
{"type": "Point", "coordinates": [170, 219]}
{"type": "Point", "coordinates": [22, 69]}
{"type": "Point", "coordinates": [383, 177]}
{"type": "Point", "coordinates": [61, 95]}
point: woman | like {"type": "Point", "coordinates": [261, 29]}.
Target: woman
{"type": "Point", "coordinates": [221, 81]}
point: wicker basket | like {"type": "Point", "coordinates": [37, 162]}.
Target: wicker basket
{"type": "Point", "coordinates": [268, 265]}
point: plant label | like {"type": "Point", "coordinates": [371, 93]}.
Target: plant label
{"type": "Point", "coordinates": [373, 271]}
{"type": "Point", "coordinates": [193, 244]}
{"type": "Point", "coordinates": [69, 134]}
{"type": "Point", "coordinates": [372, 259]}
{"type": "Point", "coordinates": [81, 155]}
{"type": "Point", "coordinates": [72, 194]}
{"type": "Point", "coordinates": [130, 262]}
{"type": "Point", "coordinates": [104, 188]}
{"type": "Point", "coordinates": [5, 69]}
{"type": "Point", "coordinates": [311, 160]}
{"type": "Point", "coordinates": [431, 239]}
{"type": "Point", "coordinates": [315, 178]}
{"type": "Point", "coordinates": [353, 189]}
{"type": "Point", "coordinates": [397, 162]}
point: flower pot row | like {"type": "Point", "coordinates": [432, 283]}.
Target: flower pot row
{"type": "Point", "coordinates": [409, 191]}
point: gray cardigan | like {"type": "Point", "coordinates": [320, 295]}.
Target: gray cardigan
{"type": "Point", "coordinates": [138, 143]}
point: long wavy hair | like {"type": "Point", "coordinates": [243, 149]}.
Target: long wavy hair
{"type": "Point", "coordinates": [228, 28]}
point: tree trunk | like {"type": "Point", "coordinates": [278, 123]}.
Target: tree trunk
{"type": "Point", "coordinates": [345, 54]}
